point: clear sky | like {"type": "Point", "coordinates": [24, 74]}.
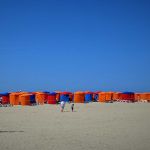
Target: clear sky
{"type": "Point", "coordinates": [75, 45]}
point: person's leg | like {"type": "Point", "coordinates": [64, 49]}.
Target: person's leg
{"type": "Point", "coordinates": [62, 108]}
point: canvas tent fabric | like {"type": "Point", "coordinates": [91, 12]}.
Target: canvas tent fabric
{"type": "Point", "coordinates": [25, 99]}
{"type": "Point", "coordinates": [79, 97]}
{"type": "Point", "coordinates": [102, 97]}
{"type": "Point", "coordinates": [88, 97]}
{"type": "Point", "coordinates": [41, 98]}
{"type": "Point", "coordinates": [129, 96]}
{"type": "Point", "coordinates": [52, 98]}
{"type": "Point", "coordinates": [64, 97]}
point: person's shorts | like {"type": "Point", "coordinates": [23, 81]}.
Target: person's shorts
{"type": "Point", "coordinates": [62, 107]}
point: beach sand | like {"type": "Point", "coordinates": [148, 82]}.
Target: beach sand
{"type": "Point", "coordinates": [94, 126]}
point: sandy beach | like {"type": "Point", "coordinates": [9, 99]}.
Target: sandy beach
{"type": "Point", "coordinates": [96, 126]}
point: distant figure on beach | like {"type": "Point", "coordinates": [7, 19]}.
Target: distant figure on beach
{"type": "Point", "coordinates": [72, 107]}
{"type": "Point", "coordinates": [62, 105]}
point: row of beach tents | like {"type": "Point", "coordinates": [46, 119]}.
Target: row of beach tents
{"type": "Point", "coordinates": [31, 98]}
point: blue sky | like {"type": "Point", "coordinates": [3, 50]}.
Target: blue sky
{"type": "Point", "coordinates": [75, 45]}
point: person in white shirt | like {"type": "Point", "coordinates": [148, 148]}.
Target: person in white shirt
{"type": "Point", "coordinates": [62, 105]}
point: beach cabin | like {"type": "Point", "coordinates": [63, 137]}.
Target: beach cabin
{"type": "Point", "coordinates": [64, 96]}
{"type": "Point", "coordinates": [95, 95]}
{"type": "Point", "coordinates": [88, 97]}
{"type": "Point", "coordinates": [137, 97]}
{"type": "Point", "coordinates": [145, 97]}
{"type": "Point", "coordinates": [25, 99]}
{"type": "Point", "coordinates": [102, 97]}
{"type": "Point", "coordinates": [14, 97]}
{"type": "Point", "coordinates": [41, 98]}
{"type": "Point", "coordinates": [51, 98]}
{"type": "Point", "coordinates": [116, 96]}
{"type": "Point", "coordinates": [79, 97]}
{"type": "Point", "coordinates": [108, 96]}
{"type": "Point", "coordinates": [4, 98]}
{"type": "Point", "coordinates": [127, 96]}
{"type": "Point", "coordinates": [32, 99]}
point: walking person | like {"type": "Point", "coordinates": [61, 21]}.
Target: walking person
{"type": "Point", "coordinates": [72, 107]}
{"type": "Point", "coordinates": [62, 105]}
